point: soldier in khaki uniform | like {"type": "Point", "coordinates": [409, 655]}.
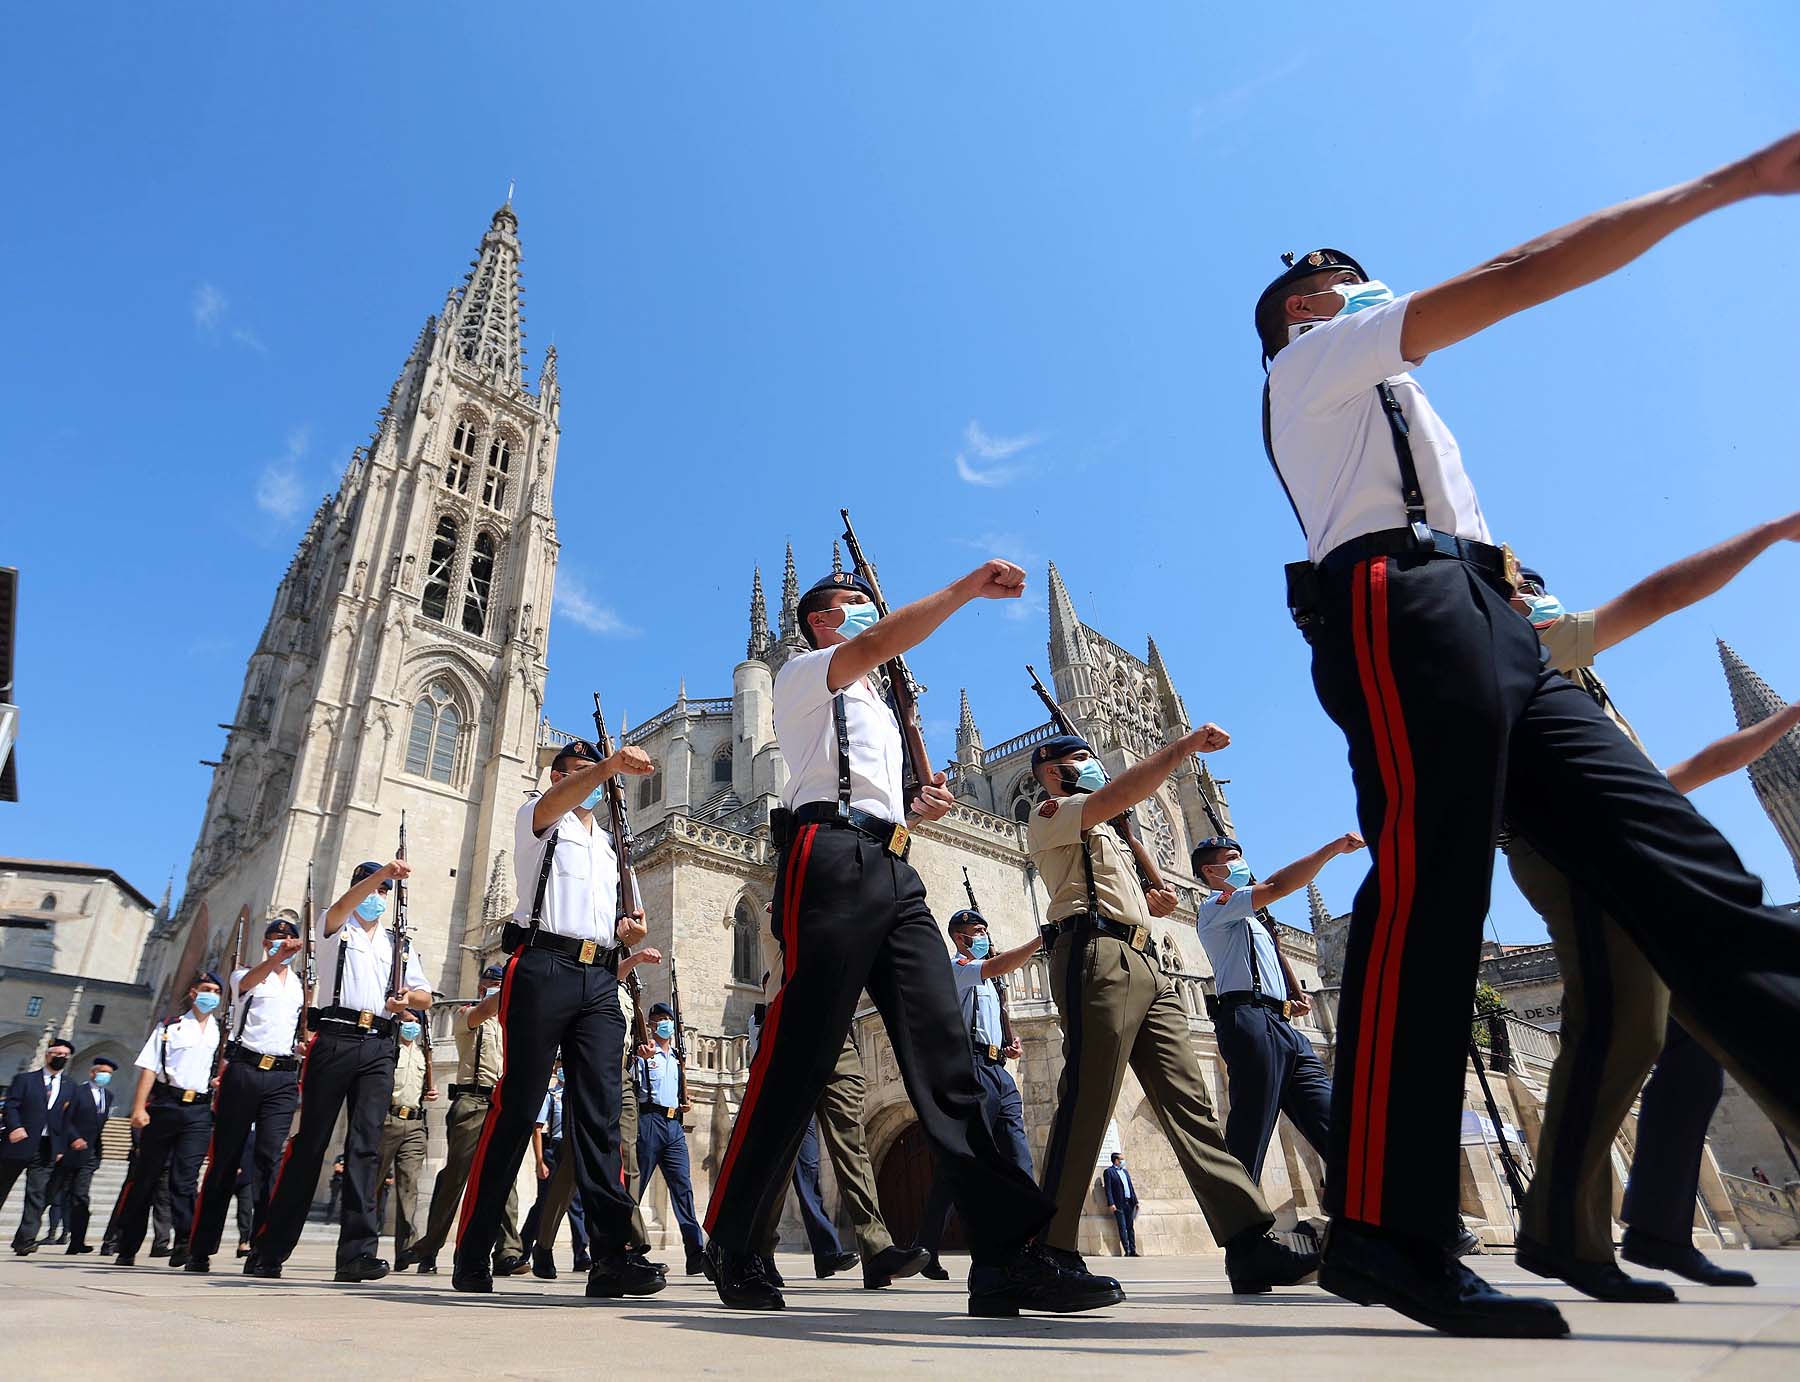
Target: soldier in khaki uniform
{"type": "Point", "coordinates": [480, 1060]}
{"type": "Point", "coordinates": [403, 1132]}
{"type": "Point", "coordinates": [1118, 1008]}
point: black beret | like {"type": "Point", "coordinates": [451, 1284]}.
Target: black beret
{"type": "Point", "coordinates": [280, 924]}
{"type": "Point", "coordinates": [662, 1008]}
{"type": "Point", "coordinates": [1058, 746]}
{"type": "Point", "coordinates": [841, 580]}
{"type": "Point", "coordinates": [576, 748]}
{"type": "Point", "coordinates": [1532, 577]}
{"type": "Point", "coordinates": [967, 916]}
{"type": "Point", "coordinates": [206, 976]}
{"type": "Point", "coordinates": [61, 1041]}
{"type": "Point", "coordinates": [107, 1061]}
{"type": "Point", "coordinates": [494, 972]}
{"type": "Point", "coordinates": [1218, 842]}
{"type": "Point", "coordinates": [1318, 261]}
{"type": "Point", "coordinates": [363, 870]}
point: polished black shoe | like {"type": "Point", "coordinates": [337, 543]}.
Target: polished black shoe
{"type": "Point", "coordinates": [1684, 1259]}
{"type": "Point", "coordinates": [1601, 1280]}
{"type": "Point", "coordinates": [1032, 1280]}
{"type": "Point", "coordinates": [1071, 1261]}
{"type": "Point", "coordinates": [405, 1261]}
{"type": "Point", "coordinates": [159, 1249]}
{"type": "Point", "coordinates": [771, 1273]}
{"type": "Point", "coordinates": [243, 1250]}
{"type": "Point", "coordinates": [178, 1257]}
{"type": "Point", "coordinates": [695, 1258]}
{"type": "Point", "coordinates": [581, 1263]}
{"type": "Point", "coordinates": [478, 1281]}
{"type": "Point", "coordinates": [1257, 1261]}
{"type": "Point", "coordinates": [75, 1248]}
{"type": "Point", "coordinates": [1463, 1243]}
{"type": "Point", "coordinates": [197, 1263]}
{"type": "Point", "coordinates": [624, 1274]}
{"type": "Point", "coordinates": [24, 1249]}
{"type": "Point", "coordinates": [368, 1267]}
{"type": "Point", "coordinates": [543, 1264]}
{"type": "Point", "coordinates": [742, 1282]}
{"type": "Point", "coordinates": [833, 1263]}
{"type": "Point", "coordinates": [255, 1266]}
{"type": "Point", "coordinates": [1417, 1279]}
{"type": "Point", "coordinates": [428, 1266]}
{"type": "Point", "coordinates": [933, 1270]}
{"type": "Point", "coordinates": [125, 1259]}
{"type": "Point", "coordinates": [892, 1263]}
{"type": "Point", "coordinates": [512, 1265]}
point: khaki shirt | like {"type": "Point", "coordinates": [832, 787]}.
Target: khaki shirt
{"type": "Point", "coordinates": [1570, 643]}
{"type": "Point", "coordinates": [1055, 845]}
{"type": "Point", "coordinates": [492, 1045]}
{"type": "Point", "coordinates": [409, 1074]}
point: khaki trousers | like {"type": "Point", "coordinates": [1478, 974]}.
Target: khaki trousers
{"type": "Point", "coordinates": [402, 1152]}
{"type": "Point", "coordinates": [462, 1133]}
{"type": "Point", "coordinates": [1118, 1008]}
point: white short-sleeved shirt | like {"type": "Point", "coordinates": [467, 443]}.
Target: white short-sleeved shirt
{"type": "Point", "coordinates": [266, 1018]}
{"type": "Point", "coordinates": [980, 1003]}
{"type": "Point", "coordinates": [1332, 441]}
{"type": "Point", "coordinates": [184, 1049]}
{"type": "Point", "coordinates": [368, 966]}
{"type": "Point", "coordinates": [808, 737]}
{"type": "Point", "coordinates": [1228, 927]}
{"type": "Point", "coordinates": [582, 899]}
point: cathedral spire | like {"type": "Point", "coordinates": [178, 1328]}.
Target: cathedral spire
{"type": "Point", "coordinates": [790, 600]}
{"type": "Point", "coordinates": [1064, 625]}
{"type": "Point", "coordinates": [489, 322]}
{"type": "Point", "coordinates": [760, 640]}
{"type": "Point", "coordinates": [1776, 775]}
{"type": "Point", "coordinates": [968, 736]}
{"type": "Point", "coordinates": [1319, 913]}
{"type": "Point", "coordinates": [1174, 712]}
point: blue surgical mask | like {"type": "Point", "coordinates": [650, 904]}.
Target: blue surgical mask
{"type": "Point", "coordinates": [409, 1031]}
{"type": "Point", "coordinates": [981, 947]}
{"type": "Point", "coordinates": [665, 1030]}
{"type": "Point", "coordinates": [1238, 876]}
{"type": "Point", "coordinates": [858, 618]}
{"type": "Point", "coordinates": [1358, 296]}
{"type": "Point", "coordinates": [1545, 610]}
{"type": "Point", "coordinates": [372, 907]}
{"type": "Point", "coordinates": [103, 1079]}
{"type": "Point", "coordinates": [205, 1002]}
{"type": "Point", "coordinates": [1091, 777]}
{"type": "Point", "coordinates": [592, 799]}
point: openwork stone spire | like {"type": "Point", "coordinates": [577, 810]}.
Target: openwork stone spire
{"type": "Point", "coordinates": [489, 323]}
{"type": "Point", "coordinates": [760, 639]}
{"type": "Point", "coordinates": [790, 600]}
{"type": "Point", "coordinates": [1776, 775]}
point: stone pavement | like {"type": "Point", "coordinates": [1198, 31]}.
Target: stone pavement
{"type": "Point", "coordinates": [150, 1322]}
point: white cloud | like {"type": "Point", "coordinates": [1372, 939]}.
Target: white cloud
{"type": "Point", "coordinates": [1212, 117]}
{"type": "Point", "coordinates": [209, 306]}
{"type": "Point", "coordinates": [247, 338]}
{"type": "Point", "coordinates": [1015, 547]}
{"type": "Point", "coordinates": [278, 491]}
{"type": "Point", "coordinates": [213, 320]}
{"type": "Point", "coordinates": [996, 448]}
{"type": "Point", "coordinates": [575, 604]}
{"type": "Point", "coordinates": [994, 455]}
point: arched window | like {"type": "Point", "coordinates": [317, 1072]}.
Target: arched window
{"type": "Point", "coordinates": [481, 580]}
{"type": "Point", "coordinates": [722, 769]}
{"type": "Point", "coordinates": [436, 727]}
{"type": "Point", "coordinates": [48, 904]}
{"type": "Point", "coordinates": [493, 489]}
{"type": "Point", "coordinates": [461, 466]}
{"type": "Point", "coordinates": [650, 791]}
{"type": "Point", "coordinates": [437, 571]}
{"type": "Point", "coordinates": [1160, 832]}
{"type": "Point", "coordinates": [746, 946]}
{"type": "Point", "coordinates": [1026, 795]}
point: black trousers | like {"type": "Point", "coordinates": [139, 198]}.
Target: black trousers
{"type": "Point", "coordinates": [1451, 716]}
{"type": "Point", "coordinates": [175, 1138]}
{"type": "Point", "coordinates": [37, 1171]}
{"type": "Point", "coordinates": [1675, 1111]}
{"type": "Point", "coordinates": [1005, 1112]}
{"type": "Point", "coordinates": [345, 1070]}
{"type": "Point", "coordinates": [71, 1182]}
{"type": "Point", "coordinates": [549, 1001]}
{"type": "Point", "coordinates": [852, 916]}
{"type": "Point", "coordinates": [1270, 1070]}
{"type": "Point", "coordinates": [248, 1098]}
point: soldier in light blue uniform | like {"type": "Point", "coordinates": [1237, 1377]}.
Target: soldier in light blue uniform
{"type": "Point", "coordinates": [662, 1145]}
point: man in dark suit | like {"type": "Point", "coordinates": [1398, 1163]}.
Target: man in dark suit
{"type": "Point", "coordinates": [1121, 1194]}
{"type": "Point", "coordinates": [33, 1134]}
{"type": "Point", "coordinates": [74, 1173]}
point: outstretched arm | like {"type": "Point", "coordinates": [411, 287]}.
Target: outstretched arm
{"type": "Point", "coordinates": [1298, 874]}
{"type": "Point", "coordinates": [995, 966]}
{"type": "Point", "coordinates": [563, 797]}
{"type": "Point", "coordinates": [1734, 751]}
{"type": "Point", "coordinates": [1585, 250]}
{"type": "Point", "coordinates": [911, 625]}
{"type": "Point", "coordinates": [1686, 582]}
{"type": "Point", "coordinates": [1142, 778]}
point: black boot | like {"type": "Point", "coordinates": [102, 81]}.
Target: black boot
{"type": "Point", "coordinates": [740, 1281]}
{"type": "Point", "coordinates": [428, 1265]}
{"type": "Point", "coordinates": [1071, 1261]}
{"type": "Point", "coordinates": [833, 1263]}
{"type": "Point", "coordinates": [178, 1256]}
{"type": "Point", "coordinates": [478, 1281]}
{"type": "Point", "coordinates": [368, 1267]}
{"type": "Point", "coordinates": [1256, 1260]}
{"type": "Point", "coordinates": [198, 1263]}
{"type": "Point", "coordinates": [695, 1256]}
{"type": "Point", "coordinates": [1684, 1259]}
{"type": "Point", "coordinates": [1601, 1280]}
{"type": "Point", "coordinates": [255, 1266]}
{"type": "Point", "coordinates": [543, 1264]}
{"type": "Point", "coordinates": [933, 1270]}
{"type": "Point", "coordinates": [1416, 1278]}
{"type": "Point", "coordinates": [892, 1263]}
{"type": "Point", "coordinates": [623, 1274]}
{"type": "Point", "coordinates": [1032, 1280]}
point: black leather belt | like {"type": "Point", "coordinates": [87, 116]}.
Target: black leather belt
{"type": "Point", "coordinates": [989, 1055]}
{"type": "Point", "coordinates": [1135, 936]}
{"type": "Point", "coordinates": [355, 1021]}
{"type": "Point", "coordinates": [243, 1055]}
{"type": "Point", "coordinates": [672, 1114]}
{"type": "Point", "coordinates": [1243, 998]}
{"type": "Point", "coordinates": [895, 839]}
{"type": "Point", "coordinates": [474, 1091]}
{"type": "Point", "coordinates": [515, 937]}
{"type": "Point", "coordinates": [1498, 564]}
{"type": "Point", "coordinates": [406, 1113]}
{"type": "Point", "coordinates": [175, 1094]}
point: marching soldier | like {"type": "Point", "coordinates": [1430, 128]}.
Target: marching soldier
{"type": "Point", "coordinates": [1270, 1067]}
{"type": "Point", "coordinates": [662, 1143]}
{"type": "Point", "coordinates": [480, 1057]}
{"type": "Point", "coordinates": [851, 912]}
{"type": "Point", "coordinates": [172, 1111]}
{"type": "Point", "coordinates": [1118, 1008]}
{"type": "Point", "coordinates": [259, 1086]}
{"type": "Point", "coordinates": [404, 1132]}
{"type": "Point", "coordinates": [74, 1174]}
{"type": "Point", "coordinates": [560, 989]}
{"type": "Point", "coordinates": [349, 1068]}
{"type": "Point", "coordinates": [1450, 716]}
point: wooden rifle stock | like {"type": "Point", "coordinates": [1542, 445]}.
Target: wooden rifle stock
{"type": "Point", "coordinates": [308, 978]}
{"type": "Point", "coordinates": [620, 819]}
{"type": "Point", "coordinates": [901, 686]}
{"type": "Point", "coordinates": [680, 1042]}
{"type": "Point", "coordinates": [237, 955]}
{"type": "Point", "coordinates": [397, 973]}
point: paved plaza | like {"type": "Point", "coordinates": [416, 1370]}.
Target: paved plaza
{"type": "Point", "coordinates": [78, 1317]}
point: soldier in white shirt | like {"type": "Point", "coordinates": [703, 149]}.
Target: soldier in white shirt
{"type": "Point", "coordinates": [172, 1110]}
{"type": "Point", "coordinates": [1451, 717]}
{"type": "Point", "coordinates": [349, 1069]}
{"type": "Point", "coordinates": [850, 912]}
{"type": "Point", "coordinates": [566, 942]}
{"type": "Point", "coordinates": [259, 1086]}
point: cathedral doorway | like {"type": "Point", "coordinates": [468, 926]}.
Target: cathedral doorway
{"type": "Point", "coordinates": [904, 1184]}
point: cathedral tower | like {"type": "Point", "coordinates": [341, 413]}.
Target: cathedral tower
{"type": "Point", "coordinates": [403, 663]}
{"type": "Point", "coordinates": [1776, 775]}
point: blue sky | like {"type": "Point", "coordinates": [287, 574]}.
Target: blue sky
{"type": "Point", "coordinates": [982, 273]}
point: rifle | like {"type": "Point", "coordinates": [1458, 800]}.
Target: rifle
{"type": "Point", "coordinates": [903, 690]}
{"type": "Point", "coordinates": [397, 974]}
{"type": "Point", "coordinates": [680, 1044]}
{"type": "Point", "coordinates": [1262, 913]}
{"type": "Point", "coordinates": [1126, 821]}
{"type": "Point", "coordinates": [237, 955]}
{"type": "Point", "coordinates": [308, 979]}
{"type": "Point", "coordinates": [1006, 1027]}
{"type": "Point", "coordinates": [629, 901]}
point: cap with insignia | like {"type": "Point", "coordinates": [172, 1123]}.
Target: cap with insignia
{"type": "Point", "coordinates": [576, 748]}
{"type": "Point", "coordinates": [282, 926]}
{"type": "Point", "coordinates": [1217, 842]}
{"type": "Point", "coordinates": [662, 1008]}
{"type": "Point", "coordinates": [494, 972]}
{"type": "Point", "coordinates": [842, 580]}
{"type": "Point", "coordinates": [1058, 746]}
{"type": "Point", "coordinates": [206, 976]}
{"type": "Point", "coordinates": [966, 916]}
{"type": "Point", "coordinates": [1318, 261]}
{"type": "Point", "coordinates": [367, 867]}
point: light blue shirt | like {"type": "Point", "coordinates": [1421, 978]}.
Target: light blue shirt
{"type": "Point", "coordinates": [980, 1003]}
{"type": "Point", "coordinates": [550, 1115]}
{"type": "Point", "coordinates": [661, 1076]}
{"type": "Point", "coordinates": [1228, 927]}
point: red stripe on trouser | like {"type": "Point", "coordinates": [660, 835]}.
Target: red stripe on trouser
{"type": "Point", "coordinates": [472, 1186]}
{"type": "Point", "coordinates": [287, 1152]}
{"type": "Point", "coordinates": [792, 885]}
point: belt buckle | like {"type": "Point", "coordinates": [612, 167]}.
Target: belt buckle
{"type": "Point", "coordinates": [896, 844]}
{"type": "Point", "coordinates": [187, 1096]}
{"type": "Point", "coordinates": [1287, 1010]}
{"type": "Point", "coordinates": [265, 1063]}
{"type": "Point", "coordinates": [365, 1019]}
{"type": "Point", "coordinates": [1140, 937]}
{"type": "Point", "coordinates": [588, 950]}
{"type": "Point", "coordinates": [1510, 563]}
{"type": "Point", "coordinates": [993, 1052]}
{"type": "Point", "coordinates": [670, 1112]}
